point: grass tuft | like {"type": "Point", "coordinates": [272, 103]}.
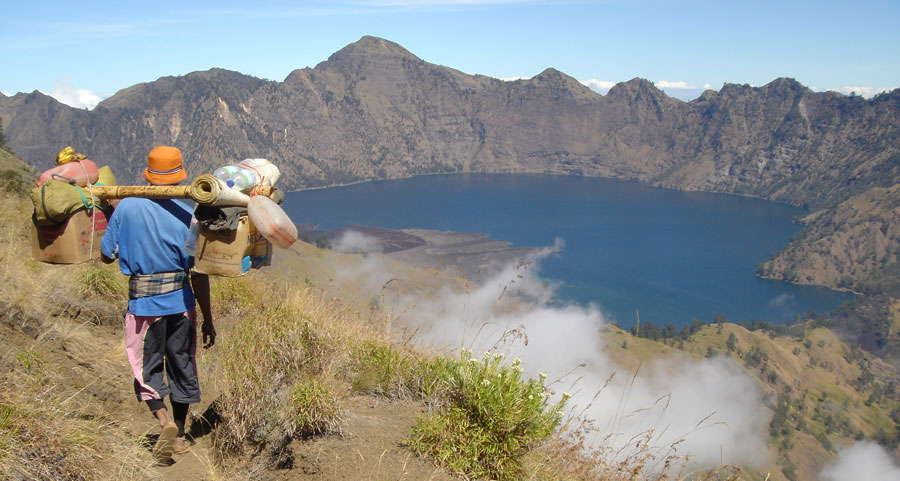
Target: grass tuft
{"type": "Point", "coordinates": [270, 368]}
{"type": "Point", "coordinates": [379, 368]}
{"type": "Point", "coordinates": [96, 280]}
{"type": "Point", "coordinates": [315, 408]}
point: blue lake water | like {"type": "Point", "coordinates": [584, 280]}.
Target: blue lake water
{"type": "Point", "coordinates": [672, 256]}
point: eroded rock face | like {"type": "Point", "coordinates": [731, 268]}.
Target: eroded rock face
{"type": "Point", "coordinates": [373, 110]}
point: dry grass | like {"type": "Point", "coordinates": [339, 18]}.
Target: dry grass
{"type": "Point", "coordinates": [279, 368]}
{"type": "Point", "coordinates": [570, 456]}
{"type": "Point", "coordinates": [47, 430]}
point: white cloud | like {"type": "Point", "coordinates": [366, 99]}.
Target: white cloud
{"type": "Point", "coordinates": [863, 461]}
{"type": "Point", "coordinates": [65, 92]}
{"type": "Point", "coordinates": [681, 84]}
{"type": "Point", "coordinates": [355, 242]}
{"type": "Point", "coordinates": [513, 79]}
{"type": "Point", "coordinates": [709, 408]}
{"type": "Point", "coordinates": [867, 92]}
{"type": "Point", "coordinates": [784, 300]}
{"type": "Point", "coordinates": [707, 87]}
{"type": "Point", "coordinates": [599, 86]}
{"type": "Point", "coordinates": [366, 278]}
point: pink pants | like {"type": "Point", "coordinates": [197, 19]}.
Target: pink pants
{"type": "Point", "coordinates": [161, 349]}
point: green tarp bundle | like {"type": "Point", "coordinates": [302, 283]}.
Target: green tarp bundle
{"type": "Point", "coordinates": [55, 200]}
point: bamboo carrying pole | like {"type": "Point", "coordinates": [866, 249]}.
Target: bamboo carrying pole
{"type": "Point", "coordinates": [156, 191]}
{"type": "Point", "coordinates": [202, 190]}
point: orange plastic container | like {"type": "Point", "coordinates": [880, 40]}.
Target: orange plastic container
{"type": "Point", "coordinates": [82, 172]}
{"type": "Point", "coordinates": [271, 221]}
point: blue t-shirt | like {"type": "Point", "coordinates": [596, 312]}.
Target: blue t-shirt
{"type": "Point", "coordinates": [148, 235]}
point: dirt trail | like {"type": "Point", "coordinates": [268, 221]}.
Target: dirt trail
{"type": "Point", "coordinates": [368, 448]}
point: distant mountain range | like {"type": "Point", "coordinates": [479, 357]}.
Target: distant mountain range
{"type": "Point", "coordinates": [373, 110]}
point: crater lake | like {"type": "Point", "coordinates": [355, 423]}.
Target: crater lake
{"type": "Point", "coordinates": [627, 247]}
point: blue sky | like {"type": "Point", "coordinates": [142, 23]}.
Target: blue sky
{"type": "Point", "coordinates": [81, 52]}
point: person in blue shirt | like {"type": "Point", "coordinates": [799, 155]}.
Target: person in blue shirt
{"type": "Point", "coordinates": [148, 236]}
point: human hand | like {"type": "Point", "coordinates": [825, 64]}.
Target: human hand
{"type": "Point", "coordinates": [209, 333]}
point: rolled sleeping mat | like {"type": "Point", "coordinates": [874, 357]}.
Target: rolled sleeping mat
{"type": "Point", "coordinates": [208, 190]}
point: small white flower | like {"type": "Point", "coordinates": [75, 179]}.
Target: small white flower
{"type": "Point", "coordinates": [542, 375]}
{"type": "Point", "coordinates": [498, 356]}
{"type": "Point", "coordinates": [517, 361]}
{"type": "Point", "coordinates": [518, 369]}
{"type": "Point", "coordinates": [530, 397]}
{"type": "Point", "coordinates": [485, 382]}
{"type": "Point", "coordinates": [566, 396]}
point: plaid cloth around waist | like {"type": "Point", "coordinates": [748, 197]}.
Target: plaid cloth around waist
{"type": "Point", "coordinates": [155, 284]}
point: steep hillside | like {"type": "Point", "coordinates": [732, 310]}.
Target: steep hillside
{"type": "Point", "coordinates": [823, 394]}
{"type": "Point", "coordinates": [854, 245]}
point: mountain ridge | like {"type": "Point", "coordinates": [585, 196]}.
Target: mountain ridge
{"type": "Point", "coordinates": [374, 110]}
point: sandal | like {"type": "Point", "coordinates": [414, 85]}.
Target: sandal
{"type": "Point", "coordinates": [181, 446]}
{"type": "Point", "coordinates": [165, 444]}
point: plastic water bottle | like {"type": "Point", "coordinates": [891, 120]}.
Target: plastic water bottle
{"type": "Point", "coordinates": [243, 179]}
{"type": "Point", "coordinates": [225, 173]}
{"type": "Point", "coordinates": [266, 171]}
{"type": "Point", "coordinates": [271, 221]}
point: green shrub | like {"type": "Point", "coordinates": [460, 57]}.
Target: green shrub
{"type": "Point", "coordinates": [13, 181]}
{"type": "Point", "coordinates": [488, 418]}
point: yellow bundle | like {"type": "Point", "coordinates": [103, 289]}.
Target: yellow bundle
{"type": "Point", "coordinates": [68, 155]}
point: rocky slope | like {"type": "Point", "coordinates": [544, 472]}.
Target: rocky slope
{"type": "Point", "coordinates": [854, 245]}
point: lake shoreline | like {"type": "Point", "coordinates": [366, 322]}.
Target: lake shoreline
{"type": "Point", "coordinates": [674, 255]}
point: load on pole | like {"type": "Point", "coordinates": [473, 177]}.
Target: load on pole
{"type": "Point", "coordinates": [205, 190]}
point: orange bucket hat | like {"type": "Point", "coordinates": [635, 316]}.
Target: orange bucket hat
{"type": "Point", "coordinates": [164, 166]}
